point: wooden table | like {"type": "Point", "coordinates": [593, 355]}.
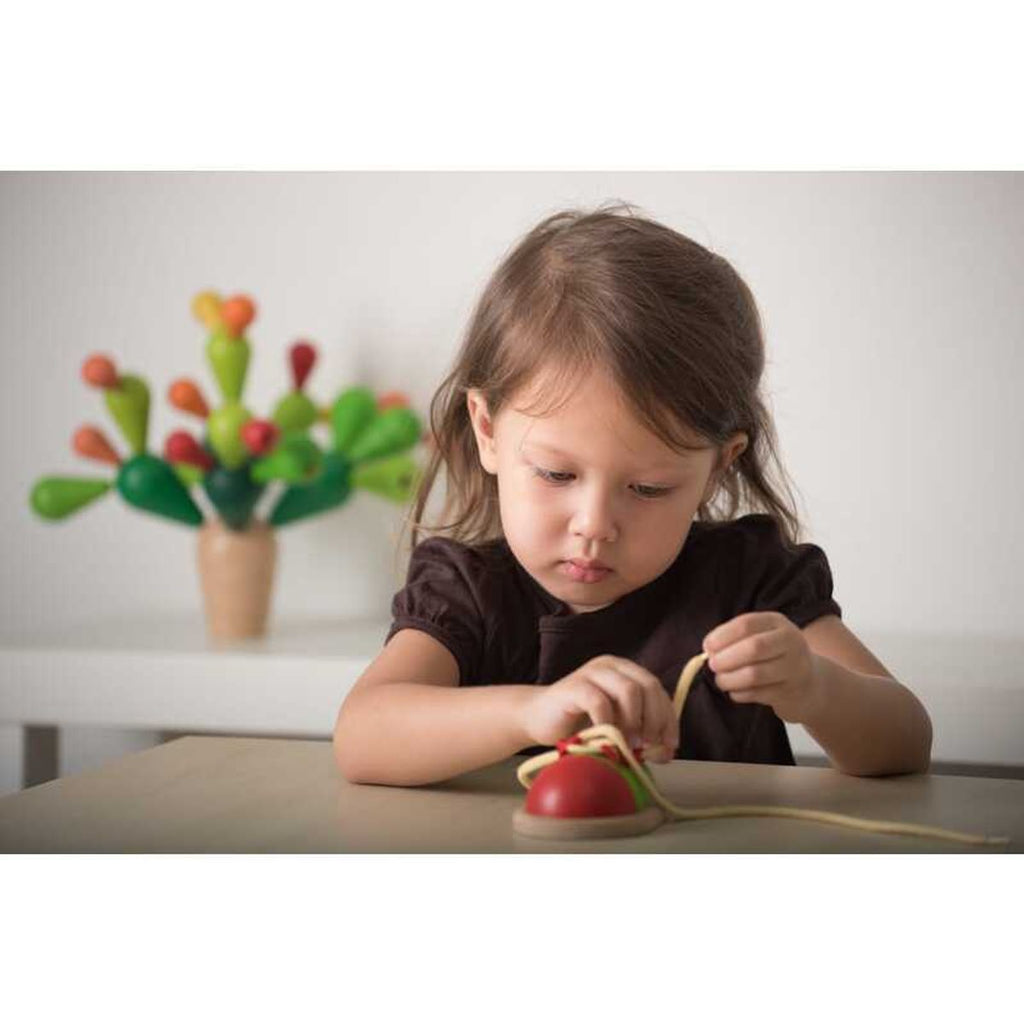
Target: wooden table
{"type": "Point", "coordinates": [228, 795]}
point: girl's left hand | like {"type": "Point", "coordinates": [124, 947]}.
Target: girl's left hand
{"type": "Point", "coordinates": [763, 658]}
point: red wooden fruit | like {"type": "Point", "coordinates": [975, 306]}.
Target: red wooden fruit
{"type": "Point", "coordinates": [259, 436]}
{"type": "Point", "coordinates": [302, 356]}
{"type": "Point", "coordinates": [181, 446]}
{"type": "Point", "coordinates": [579, 786]}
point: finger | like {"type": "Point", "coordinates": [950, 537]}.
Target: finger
{"type": "Point", "coordinates": [751, 650]}
{"type": "Point", "coordinates": [596, 703]}
{"type": "Point", "coordinates": [743, 625]}
{"type": "Point", "coordinates": [765, 673]}
{"type": "Point", "coordinates": [636, 672]}
{"type": "Point", "coordinates": [657, 714]}
{"type": "Point", "coordinates": [654, 705]}
{"type": "Point", "coordinates": [758, 695]}
{"type": "Point", "coordinates": [668, 743]}
{"type": "Point", "coordinates": [657, 704]}
{"type": "Point", "coordinates": [627, 695]}
{"type": "Point", "coordinates": [670, 737]}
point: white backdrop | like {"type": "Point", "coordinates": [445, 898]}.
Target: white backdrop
{"type": "Point", "coordinates": [892, 304]}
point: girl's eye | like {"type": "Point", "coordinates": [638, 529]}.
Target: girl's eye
{"type": "Point", "coordinates": [552, 477]}
{"type": "Point", "coordinates": [651, 492]}
{"type": "Point", "coordinates": [641, 490]}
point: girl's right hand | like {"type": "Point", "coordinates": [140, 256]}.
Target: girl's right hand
{"type": "Point", "coordinates": [607, 691]}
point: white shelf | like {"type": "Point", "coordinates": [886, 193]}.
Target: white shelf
{"type": "Point", "coordinates": [165, 674]}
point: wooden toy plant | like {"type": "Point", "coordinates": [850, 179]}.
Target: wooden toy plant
{"type": "Point", "coordinates": [239, 456]}
{"type": "Point", "coordinates": [594, 786]}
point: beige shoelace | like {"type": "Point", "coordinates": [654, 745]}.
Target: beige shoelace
{"type": "Point", "coordinates": [591, 741]}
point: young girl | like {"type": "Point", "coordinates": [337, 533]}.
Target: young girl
{"type": "Point", "coordinates": [600, 430]}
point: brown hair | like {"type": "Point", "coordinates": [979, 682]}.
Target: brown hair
{"type": "Point", "coordinates": [674, 325]}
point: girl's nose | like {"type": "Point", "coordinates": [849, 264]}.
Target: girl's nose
{"type": "Point", "coordinates": [594, 519]}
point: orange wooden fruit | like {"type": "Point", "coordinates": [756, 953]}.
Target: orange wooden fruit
{"type": "Point", "coordinates": [100, 372]}
{"type": "Point", "coordinates": [237, 313]}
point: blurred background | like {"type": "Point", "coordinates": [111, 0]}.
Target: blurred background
{"type": "Point", "coordinates": [894, 319]}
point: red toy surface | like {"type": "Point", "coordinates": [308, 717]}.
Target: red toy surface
{"type": "Point", "coordinates": [580, 786]}
{"type": "Point", "coordinates": [302, 357]}
{"type": "Point", "coordinates": [260, 436]}
{"type": "Point", "coordinates": [181, 446]}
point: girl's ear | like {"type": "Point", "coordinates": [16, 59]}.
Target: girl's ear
{"type": "Point", "coordinates": [483, 429]}
{"type": "Point", "coordinates": [733, 449]}
{"type": "Point", "coordinates": [728, 453]}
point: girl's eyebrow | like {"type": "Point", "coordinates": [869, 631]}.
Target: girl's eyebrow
{"type": "Point", "coordinates": [552, 450]}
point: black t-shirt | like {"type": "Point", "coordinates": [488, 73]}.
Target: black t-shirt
{"type": "Point", "coordinates": [502, 626]}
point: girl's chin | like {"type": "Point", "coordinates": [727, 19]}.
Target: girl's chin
{"type": "Point", "coordinates": [581, 597]}
{"type": "Point", "coordinates": [582, 609]}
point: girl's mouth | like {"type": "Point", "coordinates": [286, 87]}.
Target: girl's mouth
{"type": "Point", "coordinates": [581, 575]}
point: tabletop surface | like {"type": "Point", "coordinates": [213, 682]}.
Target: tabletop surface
{"type": "Point", "coordinates": [239, 795]}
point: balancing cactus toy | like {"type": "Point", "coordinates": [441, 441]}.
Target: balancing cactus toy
{"type": "Point", "coordinates": [240, 455]}
{"type": "Point", "coordinates": [143, 479]}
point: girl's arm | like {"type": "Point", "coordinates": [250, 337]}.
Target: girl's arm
{"type": "Point", "coordinates": [396, 732]}
{"type": "Point", "coordinates": [824, 678]}
{"type": "Point", "coordinates": [867, 722]}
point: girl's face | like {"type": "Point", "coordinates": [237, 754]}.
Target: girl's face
{"type": "Point", "coordinates": [592, 504]}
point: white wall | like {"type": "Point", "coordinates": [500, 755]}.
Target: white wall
{"type": "Point", "coordinates": [892, 304]}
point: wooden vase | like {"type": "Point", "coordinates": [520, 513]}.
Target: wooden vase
{"type": "Point", "coordinates": [236, 571]}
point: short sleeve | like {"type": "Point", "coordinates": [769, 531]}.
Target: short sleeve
{"type": "Point", "coordinates": [439, 599]}
{"type": "Point", "coordinates": [794, 580]}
